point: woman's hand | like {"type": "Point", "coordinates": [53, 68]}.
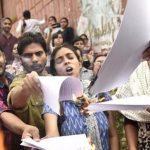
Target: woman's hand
{"type": "Point", "coordinates": [83, 103]}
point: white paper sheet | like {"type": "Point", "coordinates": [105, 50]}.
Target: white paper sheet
{"type": "Point", "coordinates": [130, 103]}
{"type": "Point", "coordinates": [59, 88]}
{"type": "Point", "coordinates": [126, 52]}
{"type": "Point", "coordinates": [73, 142]}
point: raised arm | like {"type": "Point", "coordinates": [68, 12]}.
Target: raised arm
{"type": "Point", "coordinates": [19, 95]}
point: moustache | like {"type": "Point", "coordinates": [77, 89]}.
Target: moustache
{"type": "Point", "coordinates": [35, 67]}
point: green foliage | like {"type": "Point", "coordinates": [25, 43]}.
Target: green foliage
{"type": "Point", "coordinates": [120, 129]}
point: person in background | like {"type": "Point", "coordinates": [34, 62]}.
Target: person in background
{"type": "Point", "coordinates": [53, 27]}
{"type": "Point", "coordinates": [68, 32]}
{"type": "Point", "coordinates": [16, 67]}
{"type": "Point", "coordinates": [73, 120]}
{"type": "Point", "coordinates": [7, 40]}
{"type": "Point", "coordinates": [79, 43]}
{"type": "Point", "coordinates": [98, 62]}
{"type": "Point", "coordinates": [27, 24]}
{"type": "Point", "coordinates": [85, 74]}
{"type": "Point", "coordinates": [57, 39]}
{"type": "Point", "coordinates": [87, 48]}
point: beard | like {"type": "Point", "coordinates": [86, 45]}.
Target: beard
{"type": "Point", "coordinates": [2, 71]}
{"type": "Point", "coordinates": [34, 67]}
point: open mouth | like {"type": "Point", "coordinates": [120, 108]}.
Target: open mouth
{"type": "Point", "coordinates": [69, 69]}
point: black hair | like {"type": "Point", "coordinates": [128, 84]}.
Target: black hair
{"type": "Point", "coordinates": [27, 14]}
{"type": "Point", "coordinates": [54, 36]}
{"type": "Point", "coordinates": [84, 36]}
{"type": "Point", "coordinates": [6, 18]}
{"type": "Point", "coordinates": [99, 55]}
{"type": "Point", "coordinates": [29, 38]}
{"type": "Point", "coordinates": [65, 19]}
{"type": "Point", "coordinates": [1, 49]}
{"type": "Point", "coordinates": [53, 17]}
{"type": "Point", "coordinates": [52, 61]}
{"type": "Point", "coordinates": [76, 39]}
{"type": "Point", "coordinates": [78, 49]}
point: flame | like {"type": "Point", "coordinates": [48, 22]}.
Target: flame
{"type": "Point", "coordinates": [74, 98]}
{"type": "Point", "coordinates": [2, 147]}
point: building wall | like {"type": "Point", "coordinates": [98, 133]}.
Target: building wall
{"type": "Point", "coordinates": [42, 9]}
{"type": "Point", "coordinates": [1, 9]}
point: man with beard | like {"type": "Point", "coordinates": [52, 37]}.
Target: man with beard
{"type": "Point", "coordinates": [7, 40]}
{"type": "Point", "coordinates": [6, 115]}
{"type": "Point", "coordinates": [25, 96]}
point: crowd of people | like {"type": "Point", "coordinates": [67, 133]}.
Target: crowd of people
{"type": "Point", "coordinates": [59, 51]}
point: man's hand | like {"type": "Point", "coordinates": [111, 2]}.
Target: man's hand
{"type": "Point", "coordinates": [31, 131]}
{"type": "Point", "coordinates": [32, 84]}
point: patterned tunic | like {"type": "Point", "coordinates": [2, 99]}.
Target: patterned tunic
{"type": "Point", "coordinates": [73, 122]}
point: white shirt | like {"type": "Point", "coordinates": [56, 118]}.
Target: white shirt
{"type": "Point", "coordinates": [32, 25]}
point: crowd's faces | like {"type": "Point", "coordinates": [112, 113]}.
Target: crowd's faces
{"type": "Point", "coordinates": [51, 21]}
{"type": "Point", "coordinates": [66, 63]}
{"type": "Point", "coordinates": [98, 64]}
{"type": "Point", "coordinates": [63, 23]}
{"type": "Point", "coordinates": [58, 41]}
{"type": "Point", "coordinates": [15, 51]}
{"type": "Point", "coordinates": [6, 25]}
{"type": "Point", "coordinates": [2, 63]}
{"type": "Point", "coordinates": [85, 39]}
{"type": "Point", "coordinates": [34, 58]}
{"type": "Point", "coordinates": [79, 44]}
{"type": "Point", "coordinates": [105, 51]}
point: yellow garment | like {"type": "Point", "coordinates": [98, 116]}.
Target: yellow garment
{"type": "Point", "coordinates": [138, 84]}
{"type": "Point", "coordinates": [31, 113]}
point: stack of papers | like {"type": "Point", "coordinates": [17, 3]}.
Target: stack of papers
{"type": "Point", "coordinates": [73, 142]}
{"type": "Point", "coordinates": [130, 103]}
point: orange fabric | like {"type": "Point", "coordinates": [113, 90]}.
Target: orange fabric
{"type": "Point", "coordinates": [2, 147]}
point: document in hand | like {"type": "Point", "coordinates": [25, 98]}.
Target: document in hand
{"type": "Point", "coordinates": [73, 142]}
{"type": "Point", "coordinates": [130, 103]}
{"type": "Point", "coordinates": [60, 88]}
{"type": "Point", "coordinates": [126, 53]}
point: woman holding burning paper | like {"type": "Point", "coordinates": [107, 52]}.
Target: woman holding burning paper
{"type": "Point", "coordinates": [74, 118]}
